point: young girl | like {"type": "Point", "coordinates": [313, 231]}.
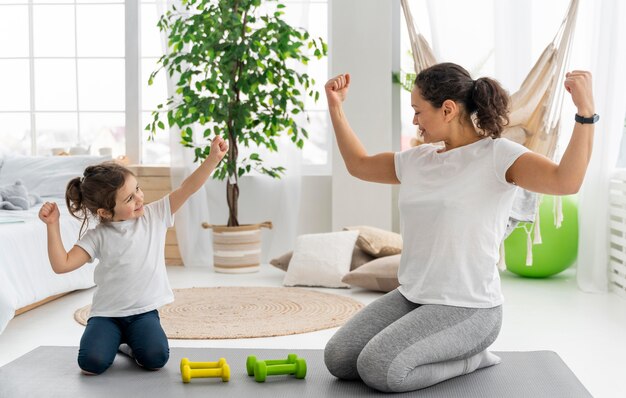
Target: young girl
{"type": "Point", "coordinates": [129, 241]}
{"type": "Point", "coordinates": [454, 205]}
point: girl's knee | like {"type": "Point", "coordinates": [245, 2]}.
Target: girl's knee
{"type": "Point", "coordinates": [152, 358]}
{"type": "Point", "coordinates": [93, 364]}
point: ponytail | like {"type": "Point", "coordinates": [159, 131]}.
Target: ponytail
{"type": "Point", "coordinates": [491, 104]}
{"type": "Point", "coordinates": [485, 101]}
{"type": "Point", "coordinates": [75, 205]}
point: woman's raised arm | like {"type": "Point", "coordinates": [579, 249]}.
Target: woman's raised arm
{"type": "Point", "coordinates": [537, 173]}
{"type": "Point", "coordinates": [377, 168]}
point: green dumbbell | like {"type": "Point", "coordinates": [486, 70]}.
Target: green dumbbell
{"type": "Point", "coordinates": [290, 366]}
{"type": "Point", "coordinates": [251, 362]}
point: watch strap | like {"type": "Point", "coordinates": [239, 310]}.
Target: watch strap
{"type": "Point", "coordinates": [587, 120]}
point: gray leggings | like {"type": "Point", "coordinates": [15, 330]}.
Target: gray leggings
{"type": "Point", "coordinates": [395, 345]}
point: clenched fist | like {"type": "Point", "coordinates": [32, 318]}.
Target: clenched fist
{"type": "Point", "coordinates": [578, 84]}
{"type": "Point", "coordinates": [337, 89]}
{"type": "Point", "coordinates": [49, 213]}
{"type": "Point", "coordinates": [218, 149]}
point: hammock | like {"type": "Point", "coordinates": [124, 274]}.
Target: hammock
{"type": "Point", "coordinates": [534, 117]}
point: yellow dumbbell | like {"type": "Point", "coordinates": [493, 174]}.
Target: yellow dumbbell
{"type": "Point", "coordinates": [191, 370]}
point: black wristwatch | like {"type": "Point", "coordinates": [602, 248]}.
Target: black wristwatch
{"type": "Point", "coordinates": [587, 120]}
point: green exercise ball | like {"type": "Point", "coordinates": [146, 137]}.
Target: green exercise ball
{"type": "Point", "coordinates": [559, 248]}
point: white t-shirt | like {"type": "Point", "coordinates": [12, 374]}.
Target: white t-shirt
{"type": "Point", "coordinates": [454, 208]}
{"type": "Point", "coordinates": [130, 277]}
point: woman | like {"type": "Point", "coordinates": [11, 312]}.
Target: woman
{"type": "Point", "coordinates": [454, 205]}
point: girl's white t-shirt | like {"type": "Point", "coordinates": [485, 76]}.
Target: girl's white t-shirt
{"type": "Point", "coordinates": [454, 207]}
{"type": "Point", "coordinates": [130, 277]}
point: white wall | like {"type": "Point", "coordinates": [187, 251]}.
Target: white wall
{"type": "Point", "coordinates": [315, 205]}
{"type": "Point", "coordinates": [361, 43]}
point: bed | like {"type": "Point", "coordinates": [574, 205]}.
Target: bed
{"type": "Point", "coordinates": [26, 278]}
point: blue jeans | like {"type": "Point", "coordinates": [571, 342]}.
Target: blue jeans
{"type": "Point", "coordinates": [142, 332]}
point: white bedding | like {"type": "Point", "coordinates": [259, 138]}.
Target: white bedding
{"type": "Point", "coordinates": [25, 273]}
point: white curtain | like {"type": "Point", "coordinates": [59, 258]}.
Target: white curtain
{"type": "Point", "coordinates": [262, 198]}
{"type": "Point", "coordinates": [608, 67]}
{"type": "Point", "coordinates": [461, 32]}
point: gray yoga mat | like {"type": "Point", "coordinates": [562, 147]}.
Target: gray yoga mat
{"type": "Point", "coordinates": [53, 372]}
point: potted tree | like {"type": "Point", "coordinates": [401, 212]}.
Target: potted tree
{"type": "Point", "coordinates": [231, 61]}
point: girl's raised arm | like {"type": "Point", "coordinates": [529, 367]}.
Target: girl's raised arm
{"type": "Point", "coordinates": [192, 183]}
{"type": "Point", "coordinates": [60, 260]}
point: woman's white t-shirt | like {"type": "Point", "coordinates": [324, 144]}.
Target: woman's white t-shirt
{"type": "Point", "coordinates": [454, 208]}
{"type": "Point", "coordinates": [130, 277]}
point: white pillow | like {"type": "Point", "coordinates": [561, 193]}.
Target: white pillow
{"type": "Point", "coordinates": [321, 259]}
{"type": "Point", "coordinates": [46, 175]}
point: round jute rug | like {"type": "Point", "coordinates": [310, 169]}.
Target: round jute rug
{"type": "Point", "coordinates": [243, 312]}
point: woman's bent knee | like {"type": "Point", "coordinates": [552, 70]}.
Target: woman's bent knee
{"type": "Point", "coordinates": [339, 362]}
{"type": "Point", "coordinates": [373, 370]}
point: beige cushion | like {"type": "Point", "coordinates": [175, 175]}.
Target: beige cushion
{"type": "Point", "coordinates": [359, 257]}
{"type": "Point", "coordinates": [380, 274]}
{"type": "Point", "coordinates": [282, 262]}
{"type": "Point", "coordinates": [321, 259]}
{"type": "Point", "coordinates": [376, 241]}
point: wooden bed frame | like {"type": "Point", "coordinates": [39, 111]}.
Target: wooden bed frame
{"type": "Point", "coordinates": [38, 303]}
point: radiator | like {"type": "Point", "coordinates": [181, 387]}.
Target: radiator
{"type": "Point", "coordinates": [617, 233]}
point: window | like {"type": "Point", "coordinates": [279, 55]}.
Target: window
{"type": "Point", "coordinates": [312, 15]}
{"type": "Point", "coordinates": [152, 48]}
{"type": "Point", "coordinates": [62, 77]}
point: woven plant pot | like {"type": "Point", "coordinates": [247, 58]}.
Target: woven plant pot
{"type": "Point", "coordinates": [237, 250]}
